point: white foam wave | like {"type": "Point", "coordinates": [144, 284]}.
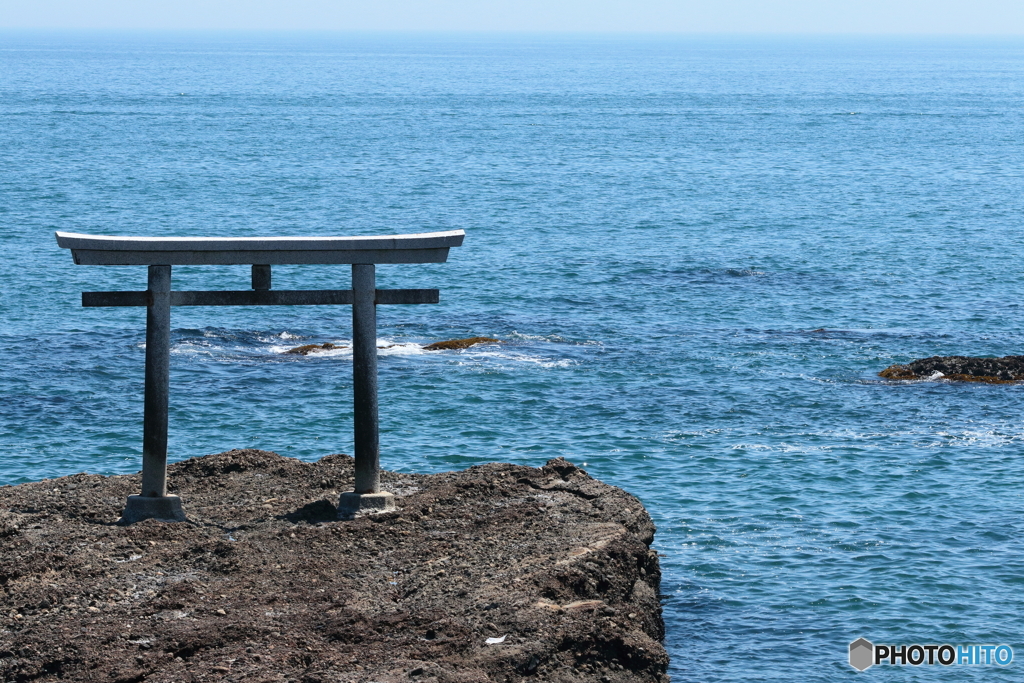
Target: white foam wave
{"type": "Point", "coordinates": [985, 438]}
{"type": "Point", "coordinates": [385, 347]}
{"type": "Point", "coordinates": [283, 336]}
{"type": "Point", "coordinates": [996, 437]}
{"type": "Point", "coordinates": [538, 337]}
{"type": "Point", "coordinates": [193, 349]}
{"type": "Point", "coordinates": [341, 351]}
{"type": "Point", "coordinates": [542, 361]}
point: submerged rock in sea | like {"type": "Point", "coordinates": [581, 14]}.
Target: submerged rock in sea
{"type": "Point", "coordinates": [307, 349]}
{"type": "Point", "coordinates": [459, 343]}
{"type": "Point", "coordinates": [451, 344]}
{"type": "Point", "coordinates": [1005, 370]}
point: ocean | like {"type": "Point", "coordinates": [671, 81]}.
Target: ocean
{"type": "Point", "coordinates": [697, 252]}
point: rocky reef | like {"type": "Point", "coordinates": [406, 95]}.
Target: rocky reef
{"type": "Point", "coordinates": [307, 349]}
{"type": "Point", "coordinates": [1004, 370]}
{"type": "Point", "coordinates": [449, 345]}
{"type": "Point", "coordinates": [497, 573]}
{"type": "Point", "coordinates": [459, 343]}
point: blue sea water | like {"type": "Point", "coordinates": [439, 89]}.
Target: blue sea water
{"type": "Point", "coordinates": [698, 251]}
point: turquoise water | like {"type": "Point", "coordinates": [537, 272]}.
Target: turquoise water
{"type": "Point", "coordinates": [698, 252]}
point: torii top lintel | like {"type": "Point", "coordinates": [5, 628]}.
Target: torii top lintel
{"type": "Point", "coordinates": [107, 250]}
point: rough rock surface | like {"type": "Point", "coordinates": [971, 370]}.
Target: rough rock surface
{"type": "Point", "coordinates": [453, 344]}
{"type": "Point", "coordinates": [960, 368]}
{"type": "Point", "coordinates": [307, 349]}
{"type": "Point", "coordinates": [265, 584]}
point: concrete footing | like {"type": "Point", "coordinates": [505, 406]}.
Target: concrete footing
{"type": "Point", "coordinates": [163, 508]}
{"type": "Point", "coordinates": [351, 503]}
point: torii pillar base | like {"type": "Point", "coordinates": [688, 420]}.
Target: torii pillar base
{"type": "Point", "coordinates": [162, 508]}
{"type": "Point", "coordinates": [352, 504]}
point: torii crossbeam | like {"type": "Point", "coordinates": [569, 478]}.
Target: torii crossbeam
{"type": "Point", "coordinates": [161, 253]}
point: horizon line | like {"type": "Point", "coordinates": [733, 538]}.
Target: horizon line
{"type": "Point", "coordinates": [506, 33]}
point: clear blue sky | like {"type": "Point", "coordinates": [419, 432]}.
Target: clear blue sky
{"type": "Point", "coordinates": [973, 17]}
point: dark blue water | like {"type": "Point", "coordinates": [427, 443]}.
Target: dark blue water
{"type": "Point", "coordinates": [699, 253]}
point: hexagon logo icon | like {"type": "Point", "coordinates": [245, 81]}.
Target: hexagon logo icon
{"type": "Point", "coordinates": [862, 654]}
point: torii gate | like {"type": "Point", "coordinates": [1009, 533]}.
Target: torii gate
{"type": "Point", "coordinates": [160, 253]}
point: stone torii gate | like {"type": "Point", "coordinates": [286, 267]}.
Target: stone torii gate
{"type": "Point", "coordinates": [161, 253]}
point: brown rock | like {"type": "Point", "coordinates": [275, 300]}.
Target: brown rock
{"type": "Point", "coordinates": [307, 349]}
{"type": "Point", "coordinates": [1005, 370]}
{"type": "Point", "coordinates": [452, 344]}
{"type": "Point", "coordinates": [539, 555]}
